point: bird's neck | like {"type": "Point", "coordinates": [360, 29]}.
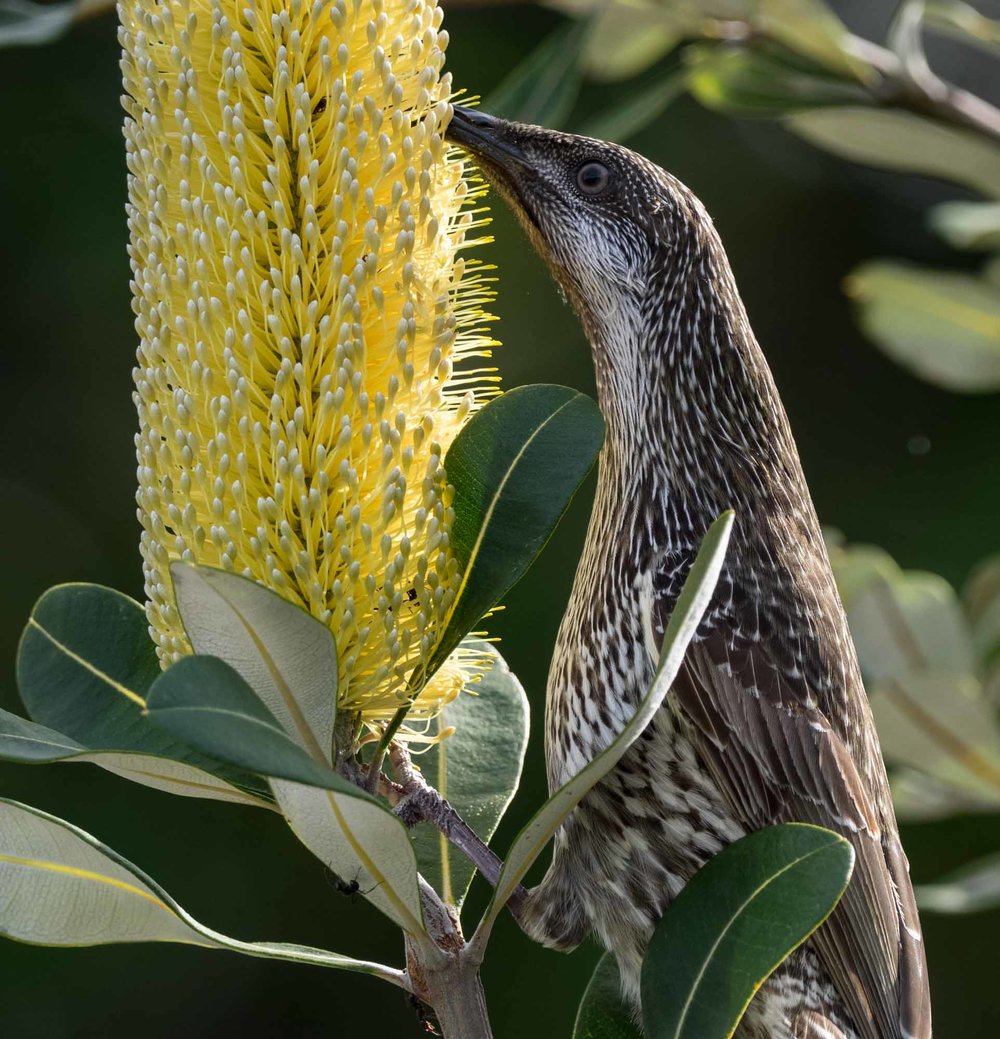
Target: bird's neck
{"type": "Point", "coordinates": [694, 423]}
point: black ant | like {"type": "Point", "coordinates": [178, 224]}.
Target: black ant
{"type": "Point", "coordinates": [350, 888]}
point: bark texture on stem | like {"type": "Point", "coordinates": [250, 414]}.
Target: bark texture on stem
{"type": "Point", "coordinates": [453, 990]}
{"type": "Point", "coordinates": [415, 801]}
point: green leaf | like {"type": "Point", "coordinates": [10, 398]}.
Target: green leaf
{"type": "Point", "coordinates": [23, 23]}
{"type": "Point", "coordinates": [856, 566]}
{"type": "Point", "coordinates": [808, 27]}
{"type": "Point", "coordinates": [740, 915]}
{"type": "Point", "coordinates": [206, 704]}
{"type": "Point", "coordinates": [477, 768]}
{"type": "Point", "coordinates": [515, 467]}
{"type": "Point", "coordinates": [916, 650]}
{"type": "Point", "coordinates": [626, 38]}
{"type": "Point", "coordinates": [84, 667]}
{"type": "Point", "coordinates": [897, 140]}
{"type": "Point", "coordinates": [941, 325]}
{"type": "Point", "coordinates": [602, 1014]}
{"type": "Point", "coordinates": [285, 655]}
{"type": "Point", "coordinates": [360, 841]}
{"type": "Point", "coordinates": [972, 888]}
{"type": "Point", "coordinates": [29, 743]}
{"type": "Point", "coordinates": [61, 886]}
{"type": "Point", "coordinates": [289, 660]}
{"type": "Point", "coordinates": [906, 622]}
{"type": "Point", "coordinates": [918, 798]}
{"type": "Point", "coordinates": [763, 81]}
{"type": "Point", "coordinates": [544, 87]}
{"type": "Point", "coordinates": [967, 224]}
{"type": "Point", "coordinates": [691, 605]}
{"type": "Point", "coordinates": [963, 22]}
{"type": "Point", "coordinates": [943, 726]}
{"type": "Point", "coordinates": [636, 111]}
{"type": "Point", "coordinates": [981, 597]}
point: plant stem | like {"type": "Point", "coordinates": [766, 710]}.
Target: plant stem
{"type": "Point", "coordinates": [461, 1006]}
{"type": "Point", "coordinates": [934, 97]}
{"type": "Point", "coordinates": [452, 989]}
{"type": "Point", "coordinates": [415, 801]}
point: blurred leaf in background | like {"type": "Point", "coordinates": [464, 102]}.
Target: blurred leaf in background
{"type": "Point", "coordinates": [930, 664]}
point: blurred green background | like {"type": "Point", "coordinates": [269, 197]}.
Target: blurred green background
{"type": "Point", "coordinates": [794, 220]}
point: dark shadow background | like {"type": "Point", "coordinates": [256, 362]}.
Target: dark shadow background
{"type": "Point", "coordinates": [794, 221]}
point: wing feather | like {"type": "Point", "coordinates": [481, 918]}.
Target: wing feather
{"type": "Point", "coordinates": [777, 757]}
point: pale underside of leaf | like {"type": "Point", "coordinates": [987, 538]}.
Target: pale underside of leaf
{"type": "Point", "coordinates": [901, 141]}
{"type": "Point", "coordinates": [286, 656]}
{"type": "Point", "coordinates": [359, 841]}
{"type": "Point", "coordinates": [60, 886]}
{"type": "Point", "coordinates": [289, 660]}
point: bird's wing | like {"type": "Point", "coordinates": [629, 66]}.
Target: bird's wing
{"type": "Point", "coordinates": [778, 758]}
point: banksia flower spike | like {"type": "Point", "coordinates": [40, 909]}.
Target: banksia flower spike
{"type": "Point", "coordinates": [295, 222]}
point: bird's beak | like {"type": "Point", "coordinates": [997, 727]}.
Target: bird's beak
{"type": "Point", "coordinates": [486, 137]}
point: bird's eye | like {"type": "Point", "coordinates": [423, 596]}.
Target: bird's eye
{"type": "Point", "coordinates": [593, 177]}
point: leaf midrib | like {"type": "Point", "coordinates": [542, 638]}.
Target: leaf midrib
{"type": "Point", "coordinates": [739, 911]}
{"type": "Point", "coordinates": [488, 516]}
{"type": "Point", "coordinates": [103, 676]}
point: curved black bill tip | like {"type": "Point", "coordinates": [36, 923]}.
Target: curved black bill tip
{"type": "Point", "coordinates": [484, 136]}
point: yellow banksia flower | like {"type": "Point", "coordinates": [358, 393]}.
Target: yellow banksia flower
{"type": "Point", "coordinates": [295, 225]}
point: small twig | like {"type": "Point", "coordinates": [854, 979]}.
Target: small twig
{"type": "Point", "coordinates": [375, 767]}
{"type": "Point", "coordinates": [415, 801]}
{"type": "Point", "coordinates": [934, 97]}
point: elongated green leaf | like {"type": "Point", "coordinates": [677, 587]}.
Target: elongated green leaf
{"type": "Point", "coordinates": [635, 112]}
{"type": "Point", "coordinates": [477, 768]}
{"type": "Point", "coordinates": [286, 656]}
{"type": "Point", "coordinates": [206, 703]}
{"type": "Point", "coordinates": [25, 23]}
{"type": "Point", "coordinates": [917, 652]}
{"type": "Point", "coordinates": [61, 886]}
{"type": "Point", "coordinates": [943, 726]}
{"type": "Point", "coordinates": [515, 468]}
{"type": "Point", "coordinates": [909, 622]}
{"type": "Point", "coordinates": [900, 141]}
{"type": "Point", "coordinates": [972, 888]}
{"type": "Point", "coordinates": [962, 21]}
{"type": "Point", "coordinates": [29, 743]}
{"type": "Point", "coordinates": [981, 596]}
{"type": "Point", "coordinates": [544, 87]}
{"type": "Point", "coordinates": [763, 82]}
{"type": "Point", "coordinates": [84, 667]}
{"type": "Point", "coordinates": [967, 225]}
{"type": "Point", "coordinates": [289, 660]}
{"type": "Point", "coordinates": [734, 922]}
{"type": "Point", "coordinates": [917, 797]}
{"type": "Point", "coordinates": [942, 325]}
{"type": "Point", "coordinates": [602, 1014]}
{"type": "Point", "coordinates": [691, 605]}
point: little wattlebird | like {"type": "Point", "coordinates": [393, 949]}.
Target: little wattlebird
{"type": "Point", "coordinates": [768, 721]}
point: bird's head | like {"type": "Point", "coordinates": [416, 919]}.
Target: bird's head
{"type": "Point", "coordinates": [607, 221]}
